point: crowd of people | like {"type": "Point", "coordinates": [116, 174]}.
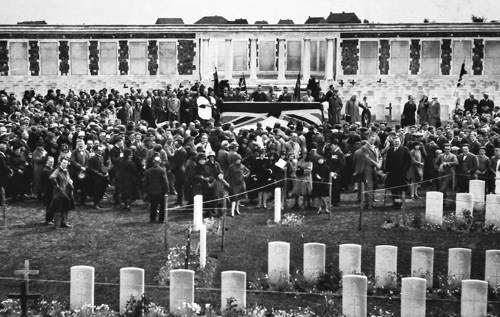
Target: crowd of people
{"type": "Point", "coordinates": [68, 149]}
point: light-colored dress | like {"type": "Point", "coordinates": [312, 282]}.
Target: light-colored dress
{"type": "Point", "coordinates": [304, 182]}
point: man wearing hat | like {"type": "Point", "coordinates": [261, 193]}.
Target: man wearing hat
{"type": "Point", "coordinates": [334, 106]}
{"type": "Point", "coordinates": [486, 105]}
{"type": "Point", "coordinates": [156, 186]}
{"type": "Point", "coordinates": [434, 112]}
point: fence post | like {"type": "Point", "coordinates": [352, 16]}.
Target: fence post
{"type": "Point", "coordinates": [224, 211]}
{"type": "Point", "coordinates": [165, 222]}
{"type": "Point", "coordinates": [330, 195]}
{"type": "Point", "coordinates": [403, 208]}
{"type": "Point", "coordinates": [283, 198]}
{"type": "Point", "coordinates": [362, 186]}
{"type": "Point", "coordinates": [188, 249]}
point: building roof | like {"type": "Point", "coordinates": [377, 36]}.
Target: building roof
{"type": "Point", "coordinates": [169, 21]}
{"type": "Point", "coordinates": [315, 20]}
{"type": "Point", "coordinates": [212, 19]}
{"type": "Point", "coordinates": [261, 22]}
{"type": "Point", "coordinates": [32, 22]}
{"type": "Point", "coordinates": [238, 21]}
{"type": "Point", "coordinates": [285, 21]}
{"type": "Point", "coordinates": [344, 17]}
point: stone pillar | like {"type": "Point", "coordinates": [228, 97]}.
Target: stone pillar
{"type": "Point", "coordinates": [329, 59]}
{"type": "Point", "coordinates": [314, 261]}
{"type": "Point", "coordinates": [278, 262]}
{"type": "Point", "coordinates": [253, 59]}
{"type": "Point", "coordinates": [413, 293]}
{"type": "Point", "coordinates": [349, 258]}
{"type": "Point", "coordinates": [492, 268]}
{"type": "Point", "coordinates": [434, 207]}
{"type": "Point", "coordinates": [277, 204]}
{"type": "Point", "coordinates": [197, 212]}
{"type": "Point", "coordinates": [474, 300]}
{"type": "Point", "coordinates": [281, 59]}
{"type": "Point", "coordinates": [463, 203]}
{"type": "Point", "coordinates": [81, 291]}
{"type": "Point", "coordinates": [354, 288]}
{"type": "Point", "coordinates": [131, 285]}
{"type": "Point", "coordinates": [203, 246]}
{"type": "Point", "coordinates": [229, 60]}
{"type": "Point", "coordinates": [386, 266]}
{"type": "Point", "coordinates": [492, 216]}
{"type": "Point", "coordinates": [478, 191]}
{"type": "Point", "coordinates": [459, 265]}
{"type": "Point", "coordinates": [233, 285]}
{"type": "Point", "coordinates": [205, 59]}
{"type": "Point", "coordinates": [422, 262]}
{"type": "Point", "coordinates": [306, 60]}
{"type": "Point", "coordinates": [181, 290]}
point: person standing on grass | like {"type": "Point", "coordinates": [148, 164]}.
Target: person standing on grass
{"type": "Point", "coordinates": [5, 173]}
{"type": "Point", "coordinates": [156, 186]}
{"type": "Point", "coordinates": [397, 164]}
{"type": "Point", "coordinates": [236, 174]}
{"type": "Point", "coordinates": [321, 175]}
{"type": "Point", "coordinates": [98, 176]}
{"type": "Point", "coordinates": [47, 189]}
{"type": "Point", "coordinates": [62, 195]}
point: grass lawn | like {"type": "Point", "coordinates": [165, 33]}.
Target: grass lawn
{"type": "Point", "coordinates": [110, 240]}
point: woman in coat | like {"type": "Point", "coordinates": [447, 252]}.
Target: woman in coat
{"type": "Point", "coordinates": [236, 174]}
{"type": "Point", "coordinates": [127, 179]}
{"type": "Point", "coordinates": [423, 107]}
{"type": "Point", "coordinates": [39, 157]}
{"type": "Point", "coordinates": [352, 109]}
{"type": "Point", "coordinates": [263, 174]}
{"type": "Point", "coordinates": [321, 187]}
{"type": "Point", "coordinates": [304, 181]}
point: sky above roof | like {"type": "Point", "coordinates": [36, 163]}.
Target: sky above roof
{"type": "Point", "coordinates": [147, 11]}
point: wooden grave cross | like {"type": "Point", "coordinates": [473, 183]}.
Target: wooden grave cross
{"type": "Point", "coordinates": [25, 295]}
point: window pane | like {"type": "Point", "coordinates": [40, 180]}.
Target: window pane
{"type": "Point", "coordinates": [78, 55]}
{"type": "Point", "coordinates": [108, 58]}
{"type": "Point", "coordinates": [314, 56]}
{"type": "Point", "coordinates": [430, 58]}
{"type": "Point", "coordinates": [49, 58]}
{"type": "Point", "coordinates": [430, 49]}
{"type": "Point", "coordinates": [492, 58]}
{"type": "Point", "coordinates": [18, 58]}
{"type": "Point", "coordinates": [240, 56]}
{"type": "Point", "coordinates": [400, 49]}
{"type": "Point", "coordinates": [167, 58]}
{"type": "Point", "coordinates": [293, 59]}
{"type": "Point", "coordinates": [461, 51]}
{"type": "Point", "coordinates": [267, 55]}
{"type": "Point", "coordinates": [368, 49]}
{"type": "Point", "coordinates": [221, 55]}
{"type": "Point", "coordinates": [137, 53]}
{"type": "Point", "coordinates": [322, 55]}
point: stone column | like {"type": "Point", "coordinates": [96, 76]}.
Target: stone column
{"type": "Point", "coordinates": [278, 262]}
{"type": "Point", "coordinates": [413, 292]}
{"type": "Point", "coordinates": [329, 59]}
{"type": "Point", "coordinates": [181, 290]}
{"type": "Point", "coordinates": [434, 207]}
{"type": "Point", "coordinates": [81, 290]}
{"type": "Point", "coordinates": [253, 59]}
{"type": "Point", "coordinates": [203, 246]}
{"type": "Point", "coordinates": [349, 258]}
{"type": "Point", "coordinates": [463, 203]}
{"type": "Point", "coordinates": [314, 261]}
{"type": "Point", "coordinates": [474, 300]}
{"type": "Point", "coordinates": [492, 216]}
{"type": "Point", "coordinates": [131, 285]}
{"type": "Point", "coordinates": [492, 268]}
{"type": "Point", "coordinates": [386, 266]}
{"type": "Point", "coordinates": [205, 59]}
{"type": "Point", "coordinates": [459, 265]}
{"type": "Point", "coordinates": [281, 59]}
{"type": "Point", "coordinates": [354, 288]}
{"type": "Point", "coordinates": [422, 263]}
{"type": "Point", "coordinates": [197, 212]}
{"type": "Point", "coordinates": [229, 60]}
{"type": "Point", "coordinates": [277, 204]}
{"type": "Point", "coordinates": [306, 60]}
{"type": "Point", "coordinates": [233, 285]}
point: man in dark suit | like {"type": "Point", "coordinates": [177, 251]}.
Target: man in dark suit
{"type": "Point", "coordinates": [47, 170]}
{"type": "Point", "coordinates": [177, 165]}
{"type": "Point", "coordinates": [285, 96]}
{"type": "Point", "coordinates": [156, 186]}
{"type": "Point", "coordinates": [336, 161]}
{"type": "Point", "coordinates": [486, 105]}
{"type": "Point", "coordinates": [470, 103]}
{"type": "Point", "coordinates": [366, 163]}
{"type": "Point", "coordinates": [398, 163]}
{"type": "Point", "coordinates": [98, 176]}
{"type": "Point", "coordinates": [467, 167]}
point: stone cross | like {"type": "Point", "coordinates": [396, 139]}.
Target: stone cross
{"type": "Point", "coordinates": [26, 272]}
{"type": "Point", "coordinates": [25, 295]}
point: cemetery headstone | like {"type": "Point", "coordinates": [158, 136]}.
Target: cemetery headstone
{"type": "Point", "coordinates": [464, 202]}
{"type": "Point", "coordinates": [422, 263]}
{"type": "Point", "coordinates": [354, 288]}
{"type": "Point", "coordinates": [477, 189]}
{"type": "Point", "coordinates": [233, 286]}
{"type": "Point", "coordinates": [81, 291]}
{"type": "Point", "coordinates": [413, 295]}
{"type": "Point", "coordinates": [131, 285]}
{"type": "Point", "coordinates": [474, 300]}
{"type": "Point", "coordinates": [181, 290]}
{"type": "Point", "coordinates": [203, 246]}
{"type": "Point", "coordinates": [314, 261]}
{"type": "Point", "coordinates": [459, 265]}
{"type": "Point", "coordinates": [197, 212]}
{"type": "Point", "coordinates": [434, 208]}
{"type": "Point", "coordinates": [386, 266]}
{"type": "Point", "coordinates": [492, 268]}
{"type": "Point", "coordinates": [278, 264]}
{"type": "Point", "coordinates": [349, 258]}
{"type": "Point", "coordinates": [492, 216]}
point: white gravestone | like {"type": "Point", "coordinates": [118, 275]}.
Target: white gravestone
{"type": "Point", "coordinates": [81, 291]}
{"type": "Point", "coordinates": [354, 288]}
{"type": "Point", "coordinates": [422, 261]}
{"type": "Point", "coordinates": [474, 301]}
{"type": "Point", "coordinates": [131, 285]}
{"type": "Point", "coordinates": [277, 204]}
{"type": "Point", "coordinates": [386, 266]}
{"type": "Point", "coordinates": [492, 268]}
{"type": "Point", "coordinates": [197, 212]}
{"type": "Point", "coordinates": [459, 265]}
{"type": "Point", "coordinates": [413, 295]}
{"type": "Point", "coordinates": [349, 258]}
{"type": "Point", "coordinates": [492, 216]}
{"type": "Point", "coordinates": [203, 246]}
{"type": "Point", "coordinates": [314, 261]}
{"type": "Point", "coordinates": [477, 189]}
{"type": "Point", "coordinates": [181, 290]}
{"type": "Point", "coordinates": [434, 207]}
{"type": "Point", "coordinates": [233, 285]}
{"type": "Point", "coordinates": [278, 263]}
{"type": "Point", "coordinates": [463, 202]}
